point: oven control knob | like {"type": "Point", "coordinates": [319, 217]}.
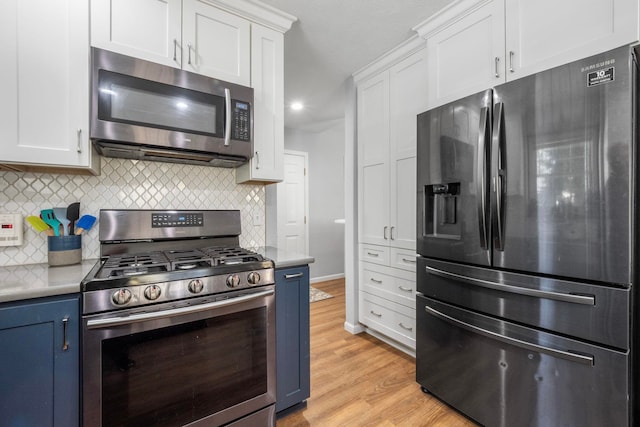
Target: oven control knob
{"type": "Point", "coordinates": [121, 296]}
{"type": "Point", "coordinates": [152, 292]}
{"type": "Point", "coordinates": [253, 278]}
{"type": "Point", "coordinates": [196, 286]}
{"type": "Point", "coordinates": [233, 281]}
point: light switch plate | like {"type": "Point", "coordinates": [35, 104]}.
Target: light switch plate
{"type": "Point", "coordinates": [11, 233]}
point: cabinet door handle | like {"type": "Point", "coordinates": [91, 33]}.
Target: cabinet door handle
{"type": "Point", "coordinates": [511, 53]}
{"type": "Point", "coordinates": [375, 314]}
{"type": "Point", "coordinates": [392, 228]}
{"type": "Point", "coordinates": [257, 160]}
{"type": "Point", "coordinates": [65, 343]}
{"type": "Point", "coordinates": [375, 281]}
{"type": "Point", "coordinates": [293, 276]}
{"type": "Point", "coordinates": [402, 288]}
{"type": "Point", "coordinates": [189, 56]}
{"type": "Point", "coordinates": [79, 132]}
{"type": "Point", "coordinates": [384, 233]}
{"type": "Point", "coordinates": [412, 261]}
{"type": "Point", "coordinates": [497, 61]}
{"type": "Point", "coordinates": [372, 254]}
{"type": "Point", "coordinates": [406, 328]}
{"type": "Point", "coordinates": [175, 49]}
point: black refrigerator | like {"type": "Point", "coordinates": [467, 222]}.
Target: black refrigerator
{"type": "Point", "coordinates": [527, 260]}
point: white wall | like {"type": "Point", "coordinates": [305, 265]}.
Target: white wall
{"type": "Point", "coordinates": [325, 145]}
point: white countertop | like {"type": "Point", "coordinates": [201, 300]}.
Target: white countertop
{"type": "Point", "coordinates": [284, 259]}
{"type": "Point", "coordinates": [20, 282]}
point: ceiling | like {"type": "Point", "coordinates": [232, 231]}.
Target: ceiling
{"type": "Point", "coordinates": [334, 38]}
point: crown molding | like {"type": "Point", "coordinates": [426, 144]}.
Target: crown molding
{"type": "Point", "coordinates": [256, 11]}
{"type": "Point", "coordinates": [390, 58]}
{"type": "Point", "coordinates": [448, 16]}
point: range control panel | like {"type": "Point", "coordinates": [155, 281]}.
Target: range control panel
{"type": "Point", "coordinates": [169, 219]}
{"type": "Point", "coordinates": [241, 121]}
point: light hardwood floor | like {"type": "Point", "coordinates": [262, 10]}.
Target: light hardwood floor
{"type": "Point", "coordinates": [357, 380]}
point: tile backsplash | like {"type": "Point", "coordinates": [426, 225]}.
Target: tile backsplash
{"type": "Point", "coordinates": [126, 184]}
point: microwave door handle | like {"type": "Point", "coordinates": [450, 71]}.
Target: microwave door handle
{"type": "Point", "coordinates": [227, 125]}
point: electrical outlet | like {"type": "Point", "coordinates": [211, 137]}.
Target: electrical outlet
{"type": "Point", "coordinates": [11, 229]}
{"type": "Point", "coordinates": [258, 219]}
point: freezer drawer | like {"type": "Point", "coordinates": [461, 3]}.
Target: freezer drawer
{"type": "Point", "coordinates": [595, 313]}
{"type": "Point", "coordinates": [503, 374]}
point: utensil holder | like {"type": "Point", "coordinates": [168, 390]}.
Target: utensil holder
{"type": "Point", "coordinates": [64, 250]}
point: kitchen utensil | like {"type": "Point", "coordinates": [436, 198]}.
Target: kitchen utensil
{"type": "Point", "coordinates": [73, 213]}
{"type": "Point", "coordinates": [39, 225]}
{"type": "Point", "coordinates": [61, 215]}
{"type": "Point", "coordinates": [84, 223]}
{"type": "Point", "coordinates": [50, 218]}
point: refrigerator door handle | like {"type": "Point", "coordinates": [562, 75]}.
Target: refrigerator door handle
{"type": "Point", "coordinates": [558, 296]}
{"type": "Point", "coordinates": [498, 178]}
{"type": "Point", "coordinates": [566, 355]}
{"type": "Point", "coordinates": [481, 176]}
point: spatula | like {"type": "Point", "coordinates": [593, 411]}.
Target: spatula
{"type": "Point", "coordinates": [73, 213]}
{"type": "Point", "coordinates": [49, 217]}
{"type": "Point", "coordinates": [39, 225]}
{"type": "Point", "coordinates": [61, 215]}
{"type": "Point", "coordinates": [84, 223]}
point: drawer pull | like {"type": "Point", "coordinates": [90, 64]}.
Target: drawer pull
{"type": "Point", "coordinates": [406, 328]}
{"type": "Point", "coordinates": [375, 314]}
{"type": "Point", "coordinates": [375, 281]}
{"type": "Point", "coordinates": [412, 261]}
{"type": "Point", "coordinates": [402, 288]}
{"type": "Point", "coordinates": [372, 254]}
{"type": "Point", "coordinates": [65, 343]}
{"type": "Point", "coordinates": [293, 276]}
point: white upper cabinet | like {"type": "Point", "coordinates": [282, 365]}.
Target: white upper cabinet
{"type": "Point", "coordinates": [44, 80]}
{"type": "Point", "coordinates": [188, 34]}
{"type": "Point", "coordinates": [542, 34]}
{"type": "Point", "coordinates": [145, 29]}
{"type": "Point", "coordinates": [475, 44]}
{"type": "Point", "coordinates": [267, 80]}
{"type": "Point", "coordinates": [215, 43]}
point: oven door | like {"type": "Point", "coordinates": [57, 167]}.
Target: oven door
{"type": "Point", "coordinates": [204, 361]}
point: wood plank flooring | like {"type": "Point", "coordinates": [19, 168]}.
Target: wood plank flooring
{"type": "Point", "coordinates": [357, 380]}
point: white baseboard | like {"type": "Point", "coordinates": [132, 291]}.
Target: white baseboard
{"type": "Point", "coordinates": [393, 343]}
{"type": "Point", "coordinates": [326, 278]}
{"type": "Point", "coordinates": [353, 329]}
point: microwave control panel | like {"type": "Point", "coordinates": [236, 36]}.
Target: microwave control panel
{"type": "Point", "coordinates": [241, 124]}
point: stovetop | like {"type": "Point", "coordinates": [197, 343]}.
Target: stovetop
{"type": "Point", "coordinates": [137, 264]}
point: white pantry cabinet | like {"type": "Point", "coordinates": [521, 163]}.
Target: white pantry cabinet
{"type": "Point", "coordinates": [390, 94]}
{"type": "Point", "coordinates": [188, 34]}
{"type": "Point", "coordinates": [475, 44]}
{"type": "Point", "coordinates": [267, 80]}
{"type": "Point", "coordinates": [44, 80]}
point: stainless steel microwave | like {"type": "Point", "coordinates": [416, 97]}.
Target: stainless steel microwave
{"type": "Point", "coordinates": [147, 111]}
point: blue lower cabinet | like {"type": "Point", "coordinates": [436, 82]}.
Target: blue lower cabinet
{"type": "Point", "coordinates": [292, 336]}
{"type": "Point", "coordinates": [39, 362]}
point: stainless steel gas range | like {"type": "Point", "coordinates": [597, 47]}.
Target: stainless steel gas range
{"type": "Point", "coordinates": [178, 323]}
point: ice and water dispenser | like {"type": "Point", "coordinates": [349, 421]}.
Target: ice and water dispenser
{"type": "Point", "coordinates": [441, 210]}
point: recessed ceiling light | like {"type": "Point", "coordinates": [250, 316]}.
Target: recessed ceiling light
{"type": "Point", "coordinates": [297, 106]}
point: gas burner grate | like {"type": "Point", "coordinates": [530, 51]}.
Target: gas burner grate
{"type": "Point", "coordinates": [188, 259]}
{"type": "Point", "coordinates": [124, 265]}
{"type": "Point", "coordinates": [231, 256]}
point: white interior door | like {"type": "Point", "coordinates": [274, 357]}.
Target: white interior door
{"type": "Point", "coordinates": [293, 203]}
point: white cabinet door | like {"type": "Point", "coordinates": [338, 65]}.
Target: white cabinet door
{"type": "Point", "coordinates": [373, 159]}
{"type": "Point", "coordinates": [267, 80]}
{"type": "Point", "coordinates": [146, 29]}
{"type": "Point", "coordinates": [467, 56]}
{"type": "Point", "coordinates": [44, 107]}
{"type": "Point", "coordinates": [215, 43]}
{"type": "Point", "coordinates": [408, 98]}
{"type": "Point", "coordinates": [572, 30]}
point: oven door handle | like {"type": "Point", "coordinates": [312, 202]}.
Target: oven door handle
{"type": "Point", "coordinates": [143, 317]}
